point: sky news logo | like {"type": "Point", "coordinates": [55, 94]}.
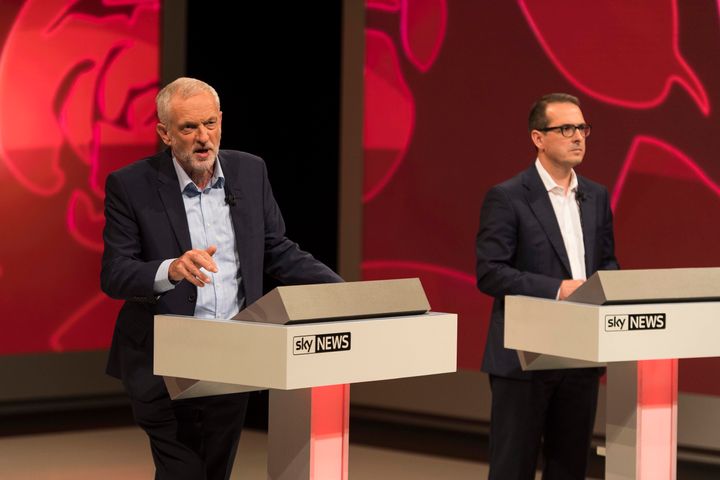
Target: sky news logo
{"type": "Point", "coordinates": [327, 342]}
{"type": "Point", "coordinates": [636, 321]}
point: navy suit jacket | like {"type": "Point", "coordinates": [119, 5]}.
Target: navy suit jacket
{"type": "Point", "coordinates": [146, 224]}
{"type": "Point", "coordinates": [520, 251]}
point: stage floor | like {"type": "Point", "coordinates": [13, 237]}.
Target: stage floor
{"type": "Point", "coordinates": [123, 453]}
{"type": "Point", "coordinates": [379, 452]}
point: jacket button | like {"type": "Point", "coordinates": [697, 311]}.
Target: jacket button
{"type": "Point", "coordinates": [192, 298]}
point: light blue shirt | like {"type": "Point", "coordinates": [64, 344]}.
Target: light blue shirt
{"type": "Point", "coordinates": [208, 217]}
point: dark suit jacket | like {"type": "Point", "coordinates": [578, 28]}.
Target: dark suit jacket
{"type": "Point", "coordinates": [520, 251]}
{"type": "Point", "coordinates": [146, 224]}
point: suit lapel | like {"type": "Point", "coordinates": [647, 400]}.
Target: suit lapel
{"type": "Point", "coordinates": [239, 213]}
{"type": "Point", "coordinates": [540, 205]}
{"type": "Point", "coordinates": [170, 194]}
{"type": "Point", "coordinates": [588, 219]}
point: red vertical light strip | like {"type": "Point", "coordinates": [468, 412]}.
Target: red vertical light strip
{"type": "Point", "coordinates": [657, 420]}
{"type": "Point", "coordinates": [329, 428]}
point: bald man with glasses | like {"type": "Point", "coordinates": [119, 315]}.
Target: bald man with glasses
{"type": "Point", "coordinates": [542, 233]}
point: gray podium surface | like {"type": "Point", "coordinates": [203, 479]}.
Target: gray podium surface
{"type": "Point", "coordinates": [660, 285]}
{"type": "Point", "coordinates": [320, 303]}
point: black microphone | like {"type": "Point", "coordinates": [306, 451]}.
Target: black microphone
{"type": "Point", "coordinates": [229, 199]}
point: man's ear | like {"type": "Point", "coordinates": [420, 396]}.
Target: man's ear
{"type": "Point", "coordinates": [163, 133]}
{"type": "Point", "coordinates": [537, 139]}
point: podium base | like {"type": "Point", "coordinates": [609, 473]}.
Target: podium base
{"type": "Point", "coordinates": [641, 432]}
{"type": "Point", "coordinates": [308, 433]}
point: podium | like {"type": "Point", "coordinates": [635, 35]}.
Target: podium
{"type": "Point", "coordinates": [638, 323]}
{"type": "Point", "coordinates": [307, 344]}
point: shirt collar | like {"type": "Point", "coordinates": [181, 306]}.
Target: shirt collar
{"type": "Point", "coordinates": [548, 181]}
{"type": "Point", "coordinates": [186, 184]}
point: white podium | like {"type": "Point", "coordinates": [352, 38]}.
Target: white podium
{"type": "Point", "coordinates": [307, 344]}
{"type": "Point", "coordinates": [638, 322]}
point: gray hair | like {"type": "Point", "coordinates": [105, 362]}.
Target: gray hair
{"type": "Point", "coordinates": [185, 87]}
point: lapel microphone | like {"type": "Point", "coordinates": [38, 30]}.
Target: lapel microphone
{"type": "Point", "coordinates": [229, 199]}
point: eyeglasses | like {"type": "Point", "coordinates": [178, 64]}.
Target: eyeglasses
{"type": "Point", "coordinates": [569, 130]}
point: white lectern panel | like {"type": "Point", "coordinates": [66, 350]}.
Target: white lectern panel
{"type": "Point", "coordinates": [260, 356]}
{"type": "Point", "coordinates": [612, 333]}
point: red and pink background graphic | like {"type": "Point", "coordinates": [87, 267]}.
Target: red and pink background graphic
{"type": "Point", "coordinates": [77, 87]}
{"type": "Point", "coordinates": [447, 90]}
{"type": "Point", "coordinates": [448, 86]}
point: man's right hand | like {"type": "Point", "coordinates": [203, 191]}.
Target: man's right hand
{"type": "Point", "coordinates": [188, 266]}
{"type": "Point", "coordinates": [567, 287]}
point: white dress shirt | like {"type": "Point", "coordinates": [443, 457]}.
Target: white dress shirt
{"type": "Point", "coordinates": [567, 212]}
{"type": "Point", "coordinates": [208, 216]}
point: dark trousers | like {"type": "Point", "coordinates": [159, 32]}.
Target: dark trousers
{"type": "Point", "coordinates": [193, 439]}
{"type": "Point", "coordinates": [555, 410]}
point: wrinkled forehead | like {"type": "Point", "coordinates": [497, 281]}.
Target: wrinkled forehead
{"type": "Point", "coordinates": [199, 107]}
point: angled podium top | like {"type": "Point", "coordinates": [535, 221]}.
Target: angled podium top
{"type": "Point", "coordinates": [621, 315]}
{"type": "Point", "coordinates": [662, 285]}
{"type": "Point", "coordinates": [335, 301]}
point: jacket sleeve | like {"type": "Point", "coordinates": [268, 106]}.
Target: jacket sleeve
{"type": "Point", "coordinates": [496, 249]}
{"type": "Point", "coordinates": [124, 274]}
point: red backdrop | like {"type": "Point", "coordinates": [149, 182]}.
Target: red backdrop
{"type": "Point", "coordinates": [77, 85]}
{"type": "Point", "coordinates": [448, 86]}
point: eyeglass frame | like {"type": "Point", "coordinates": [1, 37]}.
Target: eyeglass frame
{"type": "Point", "coordinates": [582, 127]}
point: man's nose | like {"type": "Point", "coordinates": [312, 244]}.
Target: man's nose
{"type": "Point", "coordinates": [203, 134]}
